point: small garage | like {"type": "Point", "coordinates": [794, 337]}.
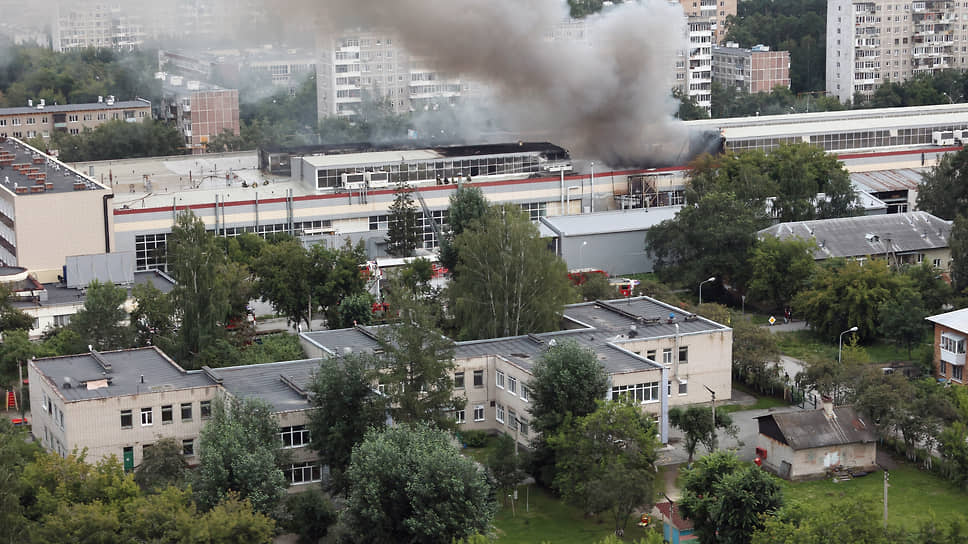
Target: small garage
{"type": "Point", "coordinates": [807, 444]}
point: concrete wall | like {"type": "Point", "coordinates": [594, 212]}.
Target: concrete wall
{"type": "Point", "coordinates": [51, 226]}
{"type": "Point", "coordinates": [616, 253]}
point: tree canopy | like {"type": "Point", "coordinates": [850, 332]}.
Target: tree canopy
{"type": "Point", "coordinates": [101, 322]}
{"type": "Point", "coordinates": [403, 237]}
{"type": "Point", "coordinates": [467, 206]}
{"type": "Point", "coordinates": [725, 498]}
{"type": "Point", "coordinates": [240, 452]}
{"type": "Point", "coordinates": [507, 283]}
{"type": "Point", "coordinates": [943, 191]}
{"type": "Point", "coordinates": [780, 269]}
{"type": "Point", "coordinates": [408, 483]}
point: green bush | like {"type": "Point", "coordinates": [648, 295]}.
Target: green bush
{"type": "Point", "coordinates": [474, 439]}
{"type": "Point", "coordinates": [310, 515]}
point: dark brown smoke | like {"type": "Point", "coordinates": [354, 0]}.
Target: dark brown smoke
{"type": "Point", "coordinates": [608, 97]}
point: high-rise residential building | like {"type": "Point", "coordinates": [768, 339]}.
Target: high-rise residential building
{"type": "Point", "coordinates": [874, 41]}
{"type": "Point", "coordinates": [754, 70]}
{"type": "Point", "coordinates": [697, 64]}
{"type": "Point", "coordinates": [715, 11]}
{"type": "Point", "coordinates": [365, 65]}
{"type": "Point", "coordinates": [79, 25]}
{"type": "Point", "coordinates": [200, 110]}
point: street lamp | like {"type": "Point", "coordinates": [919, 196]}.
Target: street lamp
{"type": "Point", "coordinates": [713, 393]}
{"type": "Point", "coordinates": [700, 287]}
{"type": "Point", "coordinates": [840, 347]}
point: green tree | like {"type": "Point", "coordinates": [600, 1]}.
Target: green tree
{"type": "Point", "coordinates": [151, 317]}
{"type": "Point", "coordinates": [844, 520]}
{"type": "Point", "coordinates": [780, 269]}
{"type": "Point", "coordinates": [15, 454]}
{"type": "Point", "coordinates": [201, 296]}
{"type": "Point", "coordinates": [755, 351]}
{"type": "Point", "coordinates": [567, 380]}
{"type": "Point", "coordinates": [689, 108]}
{"type": "Point", "coordinates": [726, 499]}
{"type": "Point", "coordinates": [696, 423]}
{"type": "Point", "coordinates": [606, 460]}
{"type": "Point", "coordinates": [12, 319]}
{"type": "Point", "coordinates": [902, 319]}
{"type": "Point", "coordinates": [597, 287]}
{"type": "Point", "coordinates": [336, 275]}
{"type": "Point", "coordinates": [163, 465]}
{"type": "Point", "coordinates": [711, 238]}
{"type": "Point", "coordinates": [953, 445]}
{"type": "Point", "coordinates": [101, 321]}
{"type": "Point", "coordinates": [410, 484]}
{"type": "Point", "coordinates": [506, 466]}
{"type": "Point", "coordinates": [958, 243]}
{"type": "Point", "coordinates": [233, 521]}
{"type": "Point", "coordinates": [846, 294]}
{"type": "Point", "coordinates": [239, 451]}
{"type": "Point", "coordinates": [15, 350]}
{"type": "Point", "coordinates": [284, 274]}
{"type": "Point", "coordinates": [943, 191]}
{"type": "Point", "coordinates": [356, 309]}
{"type": "Point", "coordinates": [344, 407]}
{"type": "Point", "coordinates": [311, 515]}
{"type": "Point", "coordinates": [930, 284]}
{"type": "Point", "coordinates": [467, 206]}
{"type": "Point", "coordinates": [801, 171]}
{"type": "Point", "coordinates": [403, 236]}
{"type": "Point", "coordinates": [272, 348]}
{"type": "Point", "coordinates": [508, 283]}
{"type": "Point", "coordinates": [417, 366]}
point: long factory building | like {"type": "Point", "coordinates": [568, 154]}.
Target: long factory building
{"type": "Point", "coordinates": [331, 193]}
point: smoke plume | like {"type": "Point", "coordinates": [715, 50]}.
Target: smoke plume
{"type": "Point", "coordinates": [607, 97]}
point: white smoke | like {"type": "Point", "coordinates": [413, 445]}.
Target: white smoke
{"type": "Point", "coordinates": [607, 97]}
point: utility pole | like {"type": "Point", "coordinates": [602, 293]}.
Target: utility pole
{"type": "Point", "coordinates": [713, 393]}
{"type": "Point", "coordinates": [886, 485]}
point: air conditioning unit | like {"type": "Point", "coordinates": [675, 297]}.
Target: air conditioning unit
{"type": "Point", "coordinates": [354, 182]}
{"type": "Point", "coordinates": [378, 179]}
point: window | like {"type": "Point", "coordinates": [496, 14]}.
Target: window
{"type": "Point", "coordinates": [667, 356]}
{"type": "Point", "coordinates": [72, 118]}
{"type": "Point", "coordinates": [31, 121]}
{"type": "Point", "coordinates": [458, 380]}
{"type": "Point", "coordinates": [296, 436]}
{"type": "Point", "coordinates": [683, 355]}
{"type": "Point", "coordinates": [525, 393]}
{"type": "Point", "coordinates": [640, 392]}
{"type": "Point", "coordinates": [683, 388]}
{"type": "Point", "coordinates": [512, 419]}
{"type": "Point", "coordinates": [188, 447]}
{"type": "Point", "coordinates": [205, 409]}
{"type": "Point", "coordinates": [956, 372]}
{"type": "Point", "coordinates": [478, 378]}
{"type": "Point", "coordinates": [513, 385]}
{"type": "Point", "coordinates": [936, 263]}
{"type": "Point", "coordinates": [303, 473]}
{"type": "Point", "coordinates": [15, 122]}
{"type": "Point", "coordinates": [650, 355]}
{"type": "Point", "coordinates": [500, 414]}
{"type": "Point", "coordinates": [942, 368]}
{"type": "Point", "coordinates": [479, 412]}
{"type": "Point", "coordinates": [186, 410]}
{"type": "Point", "coordinates": [102, 116]}
{"type": "Point", "coordinates": [88, 117]}
{"type": "Point", "coordinates": [146, 416]}
{"type": "Point", "coordinates": [74, 131]}
{"type": "Point", "coordinates": [524, 427]}
{"type": "Point", "coordinates": [500, 379]}
{"type": "Point", "coordinates": [62, 320]}
{"type": "Point", "coordinates": [126, 418]}
{"type": "Point", "coordinates": [166, 414]}
{"type": "Point", "coordinates": [459, 416]}
{"type": "Point", "coordinates": [952, 344]}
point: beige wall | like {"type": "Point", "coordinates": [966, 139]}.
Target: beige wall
{"type": "Point", "coordinates": [811, 463]}
{"type": "Point", "coordinates": [51, 226]}
{"type": "Point", "coordinates": [95, 424]}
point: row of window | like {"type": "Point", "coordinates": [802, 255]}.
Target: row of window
{"type": "Point", "coordinates": [56, 414]}
{"type": "Point", "coordinates": [167, 414]}
{"type": "Point", "coordinates": [957, 371]}
{"type": "Point", "coordinates": [511, 385]}
{"type": "Point", "coordinates": [505, 416]}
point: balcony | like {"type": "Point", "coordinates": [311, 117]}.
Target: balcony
{"type": "Point", "coordinates": [952, 348]}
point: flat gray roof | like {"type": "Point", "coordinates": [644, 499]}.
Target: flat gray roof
{"type": "Point", "coordinates": [867, 234]}
{"type": "Point", "coordinates": [637, 219]}
{"type": "Point", "coordinates": [62, 108]}
{"type": "Point", "coordinates": [337, 341]}
{"type": "Point", "coordinates": [879, 181]}
{"type": "Point", "coordinates": [282, 384]}
{"type": "Point", "coordinates": [69, 375]}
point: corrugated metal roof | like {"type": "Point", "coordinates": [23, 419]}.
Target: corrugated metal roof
{"type": "Point", "coordinates": [813, 429]}
{"type": "Point", "coordinates": [607, 222]}
{"type": "Point", "coordinates": [957, 320]}
{"type": "Point", "coordinates": [867, 235]}
{"type": "Point", "coordinates": [880, 181]}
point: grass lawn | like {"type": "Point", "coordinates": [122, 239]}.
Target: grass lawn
{"type": "Point", "coordinates": [541, 517]}
{"type": "Point", "coordinates": [806, 345]}
{"type": "Point", "coordinates": [914, 496]}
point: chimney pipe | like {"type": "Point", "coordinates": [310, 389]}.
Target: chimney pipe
{"type": "Point", "coordinates": [828, 407]}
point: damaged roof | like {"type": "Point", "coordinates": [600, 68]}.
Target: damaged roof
{"type": "Point", "coordinates": [813, 429]}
